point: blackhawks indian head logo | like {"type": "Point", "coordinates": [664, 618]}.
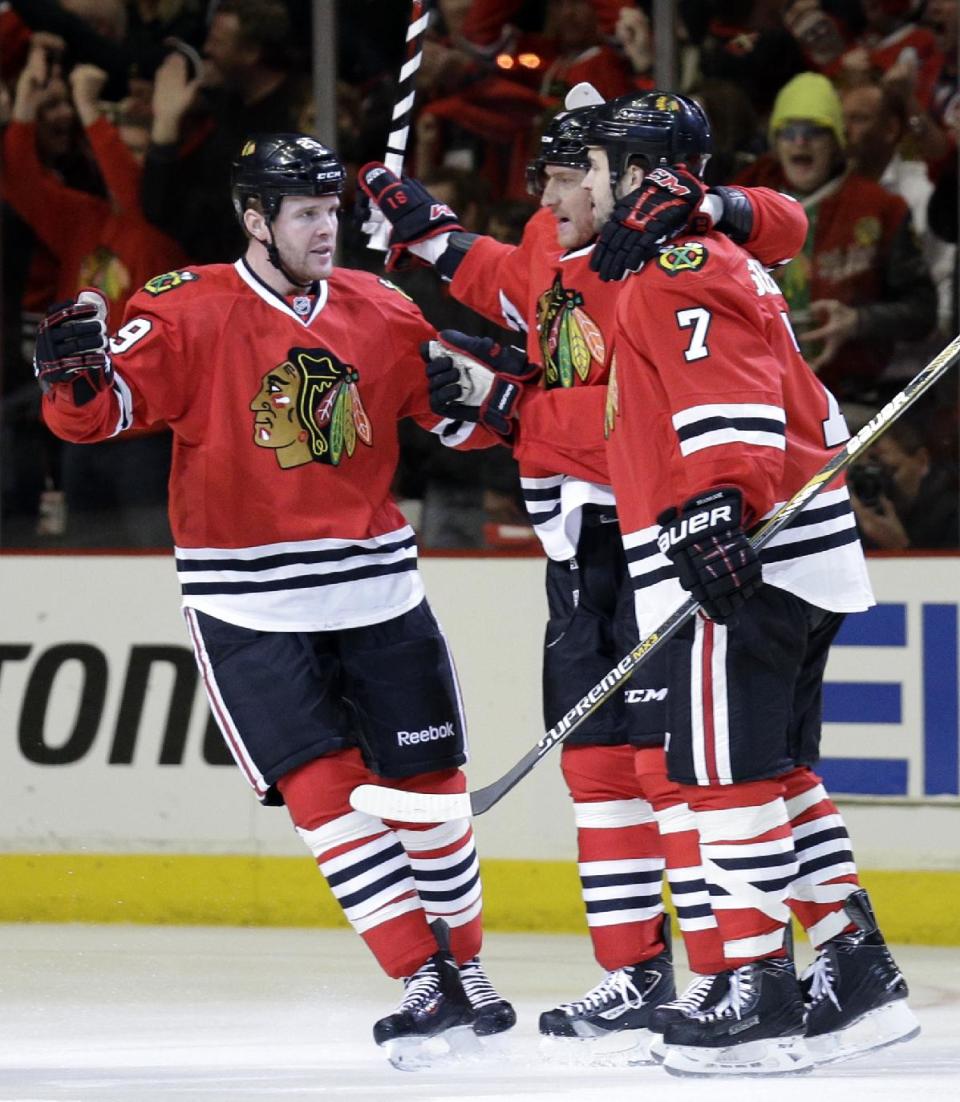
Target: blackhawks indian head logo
{"type": "Point", "coordinates": [569, 338]}
{"type": "Point", "coordinates": [308, 410]}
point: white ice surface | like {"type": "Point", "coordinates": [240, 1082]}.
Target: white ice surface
{"type": "Point", "coordinates": [135, 1014]}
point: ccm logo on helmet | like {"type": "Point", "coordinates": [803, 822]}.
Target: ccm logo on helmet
{"type": "Point", "coordinates": [696, 522]}
{"type": "Point", "coordinates": [431, 734]}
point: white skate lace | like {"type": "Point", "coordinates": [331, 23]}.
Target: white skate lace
{"type": "Point", "coordinates": [820, 976]}
{"type": "Point", "coordinates": [480, 991]}
{"type": "Point", "coordinates": [617, 986]}
{"type": "Point", "coordinates": [692, 998]}
{"type": "Point", "coordinates": [741, 987]}
{"type": "Point", "coordinates": [420, 988]}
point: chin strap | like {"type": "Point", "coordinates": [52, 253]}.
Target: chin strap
{"type": "Point", "coordinates": [273, 255]}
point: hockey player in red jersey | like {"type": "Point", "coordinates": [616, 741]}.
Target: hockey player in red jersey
{"type": "Point", "coordinates": [712, 420]}
{"type": "Point", "coordinates": [283, 380]}
{"type": "Point", "coordinates": [630, 819]}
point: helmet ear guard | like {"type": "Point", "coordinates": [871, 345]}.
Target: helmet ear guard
{"type": "Point", "coordinates": [271, 166]}
{"type": "Point", "coordinates": [652, 128]}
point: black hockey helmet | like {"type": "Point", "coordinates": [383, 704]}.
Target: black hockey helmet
{"type": "Point", "coordinates": [564, 142]}
{"type": "Point", "coordinates": [273, 165]}
{"type": "Point", "coordinates": [656, 128]}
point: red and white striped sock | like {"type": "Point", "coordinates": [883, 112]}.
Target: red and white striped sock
{"type": "Point", "coordinates": [828, 873]}
{"type": "Point", "coordinates": [749, 863]}
{"type": "Point", "coordinates": [620, 857]}
{"type": "Point", "coordinates": [362, 860]}
{"type": "Point", "coordinates": [677, 826]}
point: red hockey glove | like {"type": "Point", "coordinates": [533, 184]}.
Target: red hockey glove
{"type": "Point", "coordinates": [73, 347]}
{"type": "Point", "coordinates": [714, 559]}
{"type": "Point", "coordinates": [476, 379]}
{"type": "Point", "coordinates": [413, 213]}
{"type": "Point", "coordinates": [659, 209]}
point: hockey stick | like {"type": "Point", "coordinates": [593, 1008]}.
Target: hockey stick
{"type": "Point", "coordinates": [419, 807]}
{"type": "Point", "coordinates": [402, 113]}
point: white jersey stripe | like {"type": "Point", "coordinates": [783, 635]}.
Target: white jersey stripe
{"type": "Point", "coordinates": [718, 437]}
{"type": "Point", "coordinates": [730, 410]}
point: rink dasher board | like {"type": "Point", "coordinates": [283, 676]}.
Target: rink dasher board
{"type": "Point", "coordinates": [108, 748]}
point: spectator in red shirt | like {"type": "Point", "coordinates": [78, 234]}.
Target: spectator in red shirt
{"type": "Point", "coordinates": [105, 243]}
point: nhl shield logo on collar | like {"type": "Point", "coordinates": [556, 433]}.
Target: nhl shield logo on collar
{"type": "Point", "coordinates": [301, 306]}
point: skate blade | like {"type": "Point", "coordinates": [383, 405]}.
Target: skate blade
{"type": "Point", "coordinates": [620, 1049]}
{"type": "Point", "coordinates": [422, 1053]}
{"type": "Point", "coordinates": [887, 1025]}
{"type": "Point", "coordinates": [773, 1057]}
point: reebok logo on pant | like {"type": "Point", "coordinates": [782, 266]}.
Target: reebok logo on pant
{"type": "Point", "coordinates": [429, 734]}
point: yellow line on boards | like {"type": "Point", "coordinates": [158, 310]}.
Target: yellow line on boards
{"type": "Point", "coordinates": [544, 896]}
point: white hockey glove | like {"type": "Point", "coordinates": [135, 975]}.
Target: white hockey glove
{"type": "Point", "coordinates": [476, 379]}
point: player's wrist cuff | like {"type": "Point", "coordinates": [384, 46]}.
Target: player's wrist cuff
{"type": "Point", "coordinates": [458, 244]}
{"type": "Point", "coordinates": [712, 207]}
{"type": "Point", "coordinates": [431, 249]}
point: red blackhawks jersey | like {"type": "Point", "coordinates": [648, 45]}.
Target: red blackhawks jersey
{"type": "Point", "coordinates": [709, 389]}
{"type": "Point", "coordinates": [284, 414]}
{"type": "Point", "coordinates": [567, 313]}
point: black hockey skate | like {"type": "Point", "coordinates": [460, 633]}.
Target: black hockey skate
{"type": "Point", "coordinates": [702, 993]}
{"type": "Point", "coordinates": [855, 995]}
{"type": "Point", "coordinates": [429, 1024]}
{"type": "Point", "coordinates": [756, 1028]}
{"type": "Point", "coordinates": [615, 1015]}
{"type": "Point", "coordinates": [492, 1013]}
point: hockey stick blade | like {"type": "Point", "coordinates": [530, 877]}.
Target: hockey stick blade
{"type": "Point", "coordinates": [421, 807]}
{"type": "Point", "coordinates": [411, 807]}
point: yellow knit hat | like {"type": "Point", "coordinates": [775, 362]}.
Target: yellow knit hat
{"type": "Point", "coordinates": [809, 97]}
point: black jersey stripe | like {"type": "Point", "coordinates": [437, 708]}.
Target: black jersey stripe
{"type": "Point", "coordinates": [653, 577]}
{"type": "Point", "coordinates": [801, 549]}
{"type": "Point", "coordinates": [294, 558]}
{"type": "Point", "coordinates": [544, 493]}
{"type": "Point", "coordinates": [308, 581]}
{"type": "Point", "coordinates": [740, 424]}
{"type": "Point", "coordinates": [544, 517]}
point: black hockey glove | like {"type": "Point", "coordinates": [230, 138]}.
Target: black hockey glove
{"type": "Point", "coordinates": [663, 206]}
{"type": "Point", "coordinates": [72, 347]}
{"type": "Point", "coordinates": [476, 379]}
{"type": "Point", "coordinates": [413, 213]}
{"type": "Point", "coordinates": [706, 543]}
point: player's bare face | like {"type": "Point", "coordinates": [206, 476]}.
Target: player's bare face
{"type": "Point", "coordinates": [569, 204]}
{"type": "Point", "coordinates": [597, 185]}
{"type": "Point", "coordinates": [806, 152]}
{"type": "Point", "coordinates": [305, 232]}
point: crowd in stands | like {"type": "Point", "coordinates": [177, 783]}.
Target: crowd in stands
{"type": "Point", "coordinates": [120, 119]}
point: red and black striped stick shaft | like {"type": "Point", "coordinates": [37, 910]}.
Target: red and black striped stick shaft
{"type": "Point", "coordinates": [402, 111]}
